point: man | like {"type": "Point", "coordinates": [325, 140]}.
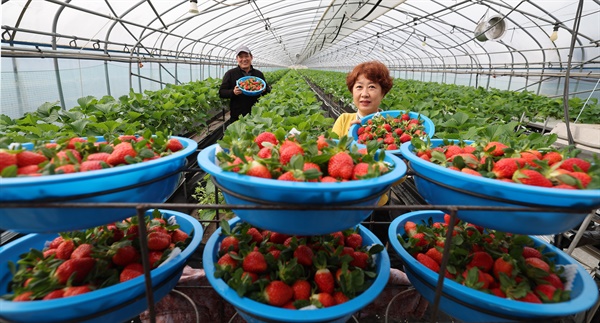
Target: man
{"type": "Point", "coordinates": [240, 104]}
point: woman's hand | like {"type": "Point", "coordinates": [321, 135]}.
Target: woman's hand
{"type": "Point", "coordinates": [355, 122]}
{"type": "Point", "coordinates": [237, 90]}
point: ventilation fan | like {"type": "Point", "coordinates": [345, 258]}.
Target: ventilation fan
{"type": "Point", "coordinates": [490, 29]}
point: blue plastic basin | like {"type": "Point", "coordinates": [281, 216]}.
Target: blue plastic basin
{"type": "Point", "coordinates": [255, 312]}
{"type": "Point", "coordinates": [427, 123]}
{"type": "Point", "coordinates": [116, 303]}
{"type": "Point", "coordinates": [442, 186]}
{"type": "Point", "coordinates": [470, 305]}
{"type": "Point", "coordinates": [95, 183]}
{"type": "Point", "coordinates": [249, 190]}
{"type": "Point", "coordinates": [251, 93]}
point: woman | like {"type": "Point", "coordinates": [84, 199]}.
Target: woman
{"type": "Point", "coordinates": [368, 82]}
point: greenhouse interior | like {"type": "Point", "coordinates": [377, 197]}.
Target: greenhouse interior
{"type": "Point", "coordinates": [307, 161]}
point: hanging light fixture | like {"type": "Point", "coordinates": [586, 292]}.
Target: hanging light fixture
{"type": "Point", "coordinates": [194, 7]}
{"type": "Point", "coordinates": [424, 41]}
{"type": "Point", "coordinates": [554, 35]}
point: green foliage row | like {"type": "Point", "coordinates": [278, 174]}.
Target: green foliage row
{"type": "Point", "coordinates": [457, 109]}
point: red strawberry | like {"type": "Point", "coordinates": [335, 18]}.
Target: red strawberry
{"type": "Point", "coordinates": [428, 262]}
{"type": "Point", "coordinates": [119, 153]}
{"type": "Point", "coordinates": [340, 298]}
{"type": "Point", "coordinates": [27, 158]}
{"type": "Point", "coordinates": [131, 271]}
{"type": "Point", "coordinates": [49, 252]}
{"type": "Point", "coordinates": [322, 300]}
{"type": "Point", "coordinates": [98, 156]}
{"type": "Point", "coordinates": [125, 255]}
{"type": "Point", "coordinates": [481, 260]}
{"type": "Point", "coordinates": [583, 178]}
{"type": "Point", "coordinates": [341, 165]}
{"type": "Point", "coordinates": [360, 170]}
{"type": "Point", "coordinates": [420, 238]}
{"type": "Point", "coordinates": [65, 169]}
{"type": "Point", "coordinates": [360, 259]}
{"type": "Point", "coordinates": [76, 290]}
{"type": "Point", "coordinates": [495, 148]}
{"type": "Point", "coordinates": [452, 150]}
{"type": "Point", "coordinates": [410, 228]}
{"type": "Point", "coordinates": [529, 252]}
{"type": "Point", "coordinates": [67, 156]}
{"type": "Point", "coordinates": [530, 297]}
{"type": "Point", "coordinates": [57, 293]}
{"type": "Point", "coordinates": [254, 262]}
{"type": "Point", "coordinates": [545, 292]}
{"type": "Point", "coordinates": [435, 254]}
{"type": "Point", "coordinates": [229, 243]}
{"type": "Point", "coordinates": [354, 240]}
{"type": "Point", "coordinates": [278, 238]}
{"type": "Point", "coordinates": [569, 164]}
{"type": "Point", "coordinates": [28, 170]}
{"type": "Point", "coordinates": [289, 176]}
{"type": "Point", "coordinates": [324, 280]}
{"type": "Point", "coordinates": [322, 143]}
{"type": "Point", "coordinates": [552, 157]}
{"type": "Point", "coordinates": [506, 167]}
{"type": "Point", "coordinates": [302, 289]}
{"type": "Point", "coordinates": [56, 242]}
{"type": "Point", "coordinates": [405, 137]}
{"type": "Point", "coordinates": [304, 255]}
{"type": "Point", "coordinates": [158, 241]}
{"type": "Point", "coordinates": [154, 258]}
{"type": "Point", "coordinates": [288, 151]}
{"type": "Point", "coordinates": [531, 177]}
{"type": "Point", "coordinates": [538, 263]}
{"type": "Point", "coordinates": [72, 141]}
{"type": "Point", "coordinates": [89, 165]}
{"type": "Point", "coordinates": [503, 265]}
{"type": "Point", "coordinates": [265, 153]}
{"type": "Point", "coordinates": [555, 281]}
{"type": "Point", "coordinates": [265, 137]}
{"type": "Point", "coordinates": [257, 169]}
{"type": "Point", "coordinates": [255, 234]}
{"type": "Point", "coordinates": [174, 145]}
{"type": "Point", "coordinates": [79, 267]}
{"type": "Point", "coordinates": [227, 262]}
{"type": "Point", "coordinates": [24, 297]}
{"type": "Point", "coordinates": [178, 235]}
{"type": "Point", "coordinates": [498, 292]}
{"type": "Point", "coordinates": [277, 293]}
{"type": "Point", "coordinates": [328, 179]}
{"type": "Point", "coordinates": [84, 250]}
{"type": "Point", "coordinates": [470, 171]}
{"type": "Point", "coordinates": [65, 249]}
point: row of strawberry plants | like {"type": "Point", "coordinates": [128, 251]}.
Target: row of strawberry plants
{"type": "Point", "coordinates": [176, 109]}
{"type": "Point", "coordinates": [456, 108]}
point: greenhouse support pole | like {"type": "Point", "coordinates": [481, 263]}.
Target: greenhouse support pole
{"type": "Point", "coordinates": [568, 72]}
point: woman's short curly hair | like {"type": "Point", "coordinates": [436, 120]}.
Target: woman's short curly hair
{"type": "Point", "coordinates": [374, 71]}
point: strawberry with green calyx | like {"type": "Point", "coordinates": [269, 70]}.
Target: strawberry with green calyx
{"type": "Point", "coordinates": [531, 177]}
{"type": "Point", "coordinates": [131, 271]}
{"type": "Point", "coordinates": [74, 269]}
{"type": "Point", "coordinates": [123, 253]}
{"type": "Point", "coordinates": [266, 136]}
{"type": "Point", "coordinates": [290, 271]}
{"type": "Point", "coordinates": [323, 277]}
{"type": "Point", "coordinates": [322, 300]}
{"type": "Point", "coordinates": [297, 172]}
{"type": "Point", "coordinates": [254, 262]}
{"type": "Point", "coordinates": [277, 293]}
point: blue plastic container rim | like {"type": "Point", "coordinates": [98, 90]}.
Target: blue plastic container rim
{"type": "Point", "coordinates": [585, 300]}
{"type": "Point", "coordinates": [93, 297]}
{"type": "Point", "coordinates": [272, 313]}
{"type": "Point", "coordinates": [241, 79]}
{"type": "Point", "coordinates": [427, 123]}
{"type": "Point", "coordinates": [189, 146]}
{"type": "Point", "coordinates": [210, 167]}
{"type": "Point", "coordinates": [585, 198]}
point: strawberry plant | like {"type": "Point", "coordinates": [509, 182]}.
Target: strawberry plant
{"type": "Point", "coordinates": [295, 271]}
{"type": "Point", "coordinates": [83, 261]}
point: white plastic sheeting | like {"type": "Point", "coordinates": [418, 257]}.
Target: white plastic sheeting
{"type": "Point", "coordinates": [411, 34]}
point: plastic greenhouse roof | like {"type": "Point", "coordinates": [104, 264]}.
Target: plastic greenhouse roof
{"type": "Point", "coordinates": [513, 36]}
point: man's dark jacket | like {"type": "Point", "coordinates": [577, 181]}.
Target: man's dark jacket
{"type": "Point", "coordinates": [239, 104]}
